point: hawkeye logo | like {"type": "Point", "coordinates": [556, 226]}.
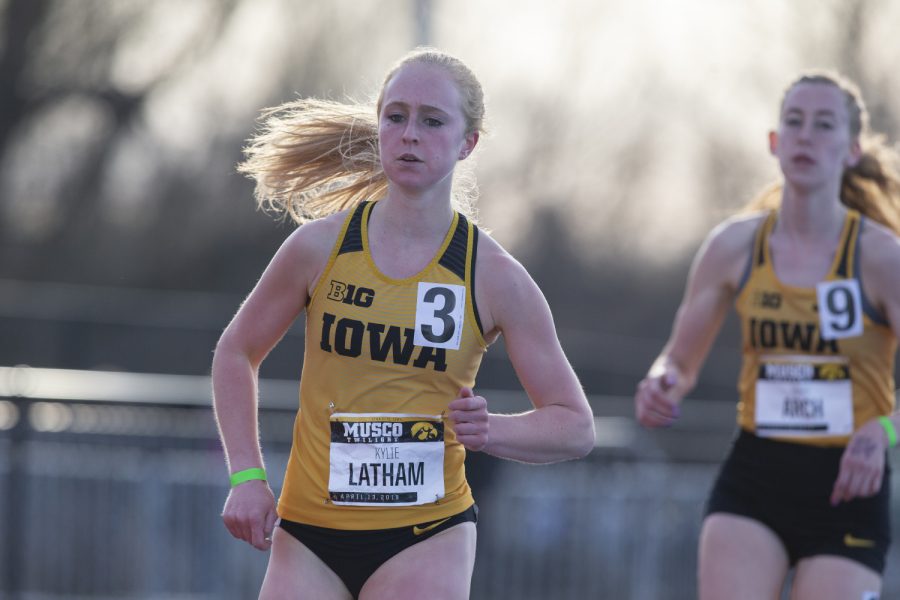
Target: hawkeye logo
{"type": "Point", "coordinates": [350, 294]}
{"type": "Point", "coordinates": [832, 372]}
{"type": "Point", "coordinates": [424, 431]}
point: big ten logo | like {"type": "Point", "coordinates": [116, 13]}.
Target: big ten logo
{"type": "Point", "coordinates": [768, 299]}
{"type": "Point", "coordinates": [350, 294]}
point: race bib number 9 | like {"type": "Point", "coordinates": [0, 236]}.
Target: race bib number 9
{"type": "Point", "coordinates": [439, 315]}
{"type": "Point", "coordinates": [386, 459]}
{"type": "Point", "coordinates": [840, 309]}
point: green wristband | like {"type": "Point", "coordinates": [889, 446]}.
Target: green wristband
{"type": "Point", "coordinates": [247, 475]}
{"type": "Point", "coordinates": [890, 430]}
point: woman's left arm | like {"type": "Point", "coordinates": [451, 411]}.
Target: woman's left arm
{"type": "Point", "coordinates": [561, 425]}
{"type": "Point", "coordinates": [862, 464]}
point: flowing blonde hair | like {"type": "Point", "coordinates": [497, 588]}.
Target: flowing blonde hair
{"type": "Point", "coordinates": [315, 157]}
{"type": "Point", "coordinates": [872, 186]}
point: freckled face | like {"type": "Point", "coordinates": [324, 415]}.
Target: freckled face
{"type": "Point", "coordinates": [813, 143]}
{"type": "Point", "coordinates": [421, 128]}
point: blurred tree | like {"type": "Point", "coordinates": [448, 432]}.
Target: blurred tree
{"type": "Point", "coordinates": [624, 131]}
{"type": "Point", "coordinates": [121, 125]}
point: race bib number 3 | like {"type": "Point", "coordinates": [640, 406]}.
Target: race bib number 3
{"type": "Point", "coordinates": [386, 460]}
{"type": "Point", "coordinates": [804, 400]}
{"type": "Point", "coordinates": [440, 308]}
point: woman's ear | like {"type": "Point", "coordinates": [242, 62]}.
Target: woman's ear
{"type": "Point", "coordinates": [773, 142]}
{"type": "Point", "coordinates": [855, 154]}
{"type": "Point", "coordinates": [469, 144]}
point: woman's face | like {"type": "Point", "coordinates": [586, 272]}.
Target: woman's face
{"type": "Point", "coordinates": [421, 128]}
{"type": "Point", "coordinates": [813, 143]}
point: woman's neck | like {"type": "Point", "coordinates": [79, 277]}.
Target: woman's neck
{"type": "Point", "coordinates": [810, 215]}
{"type": "Point", "coordinates": [408, 216]}
{"type": "Point", "coordinates": [405, 233]}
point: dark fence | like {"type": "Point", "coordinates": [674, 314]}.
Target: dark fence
{"type": "Point", "coordinates": [112, 485]}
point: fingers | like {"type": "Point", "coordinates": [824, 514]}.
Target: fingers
{"type": "Point", "coordinates": [840, 490]}
{"type": "Point", "coordinates": [848, 486]}
{"type": "Point", "coordinates": [474, 441]}
{"type": "Point", "coordinates": [467, 401]}
{"type": "Point", "coordinates": [271, 523]}
{"type": "Point", "coordinates": [845, 488]}
{"type": "Point", "coordinates": [469, 428]}
{"type": "Point", "coordinates": [668, 380]}
{"type": "Point", "coordinates": [861, 472]}
{"type": "Point", "coordinates": [261, 532]}
{"type": "Point", "coordinates": [875, 485]}
{"type": "Point", "coordinates": [854, 484]}
{"type": "Point", "coordinates": [653, 407]}
{"type": "Point", "coordinates": [468, 416]}
{"type": "Point", "coordinates": [235, 523]}
{"type": "Point", "coordinates": [250, 514]}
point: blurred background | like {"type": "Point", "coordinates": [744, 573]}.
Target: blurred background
{"type": "Point", "coordinates": [620, 133]}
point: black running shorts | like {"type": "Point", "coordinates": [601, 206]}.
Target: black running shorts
{"type": "Point", "coordinates": [355, 554]}
{"type": "Point", "coordinates": [787, 487]}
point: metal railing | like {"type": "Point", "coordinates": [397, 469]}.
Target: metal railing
{"type": "Point", "coordinates": [112, 484]}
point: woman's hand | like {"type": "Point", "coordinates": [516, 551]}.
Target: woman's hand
{"type": "Point", "coordinates": [469, 418]}
{"type": "Point", "coordinates": [655, 401]}
{"type": "Point", "coordinates": [250, 515]}
{"type": "Point", "coordinates": [862, 464]}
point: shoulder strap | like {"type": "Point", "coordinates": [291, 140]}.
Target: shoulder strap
{"type": "Point", "coordinates": [454, 257]}
{"type": "Point", "coordinates": [848, 246]}
{"type": "Point", "coordinates": [760, 244]}
{"type": "Point", "coordinates": [352, 241]}
{"type": "Point", "coordinates": [459, 258]}
{"type": "Point", "coordinates": [758, 255]}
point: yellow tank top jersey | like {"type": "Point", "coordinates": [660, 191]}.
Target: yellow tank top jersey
{"type": "Point", "coordinates": [817, 362]}
{"type": "Point", "coordinates": [384, 357]}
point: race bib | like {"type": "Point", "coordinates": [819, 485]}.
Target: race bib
{"type": "Point", "coordinates": [440, 308]}
{"type": "Point", "coordinates": [804, 399]}
{"type": "Point", "coordinates": [386, 459]}
{"type": "Point", "coordinates": [840, 309]}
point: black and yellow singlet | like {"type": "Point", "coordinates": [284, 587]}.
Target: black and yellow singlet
{"type": "Point", "coordinates": [372, 448]}
{"type": "Point", "coordinates": [817, 362]}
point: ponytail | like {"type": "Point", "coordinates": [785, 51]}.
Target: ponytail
{"type": "Point", "coordinates": [872, 186]}
{"type": "Point", "coordinates": [315, 157]}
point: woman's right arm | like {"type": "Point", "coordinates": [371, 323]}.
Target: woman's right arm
{"type": "Point", "coordinates": [711, 287]}
{"type": "Point", "coordinates": [261, 321]}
